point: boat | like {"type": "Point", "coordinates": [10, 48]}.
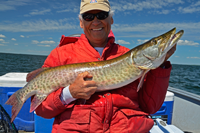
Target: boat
{"type": "Point", "coordinates": [179, 112]}
{"type": "Point", "coordinates": [186, 110]}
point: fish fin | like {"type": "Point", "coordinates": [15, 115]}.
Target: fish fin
{"type": "Point", "coordinates": [149, 57]}
{"type": "Point", "coordinates": [146, 66]}
{"type": "Point", "coordinates": [34, 73]}
{"type": "Point", "coordinates": [36, 101]}
{"type": "Point", "coordinates": [16, 105]}
{"type": "Point", "coordinates": [142, 79]}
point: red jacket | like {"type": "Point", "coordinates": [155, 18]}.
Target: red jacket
{"type": "Point", "coordinates": [121, 110]}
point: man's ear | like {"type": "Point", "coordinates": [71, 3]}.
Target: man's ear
{"type": "Point", "coordinates": [112, 21]}
{"type": "Point", "coordinates": [81, 23]}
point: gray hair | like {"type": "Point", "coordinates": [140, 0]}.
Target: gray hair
{"type": "Point", "coordinates": [111, 13]}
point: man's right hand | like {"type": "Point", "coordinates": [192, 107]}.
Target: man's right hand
{"type": "Point", "coordinates": [81, 88]}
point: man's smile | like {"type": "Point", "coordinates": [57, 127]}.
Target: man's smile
{"type": "Point", "coordinates": [97, 29]}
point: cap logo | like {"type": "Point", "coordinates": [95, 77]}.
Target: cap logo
{"type": "Point", "coordinates": [93, 1]}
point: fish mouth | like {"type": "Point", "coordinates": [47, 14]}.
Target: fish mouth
{"type": "Point", "coordinates": [176, 37]}
{"type": "Point", "coordinates": [169, 40]}
{"type": "Point", "coordinates": [173, 39]}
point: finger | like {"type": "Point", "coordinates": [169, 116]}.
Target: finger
{"type": "Point", "coordinates": [88, 75]}
{"type": "Point", "coordinates": [85, 75]}
{"type": "Point", "coordinates": [90, 91]}
{"type": "Point", "coordinates": [90, 84]}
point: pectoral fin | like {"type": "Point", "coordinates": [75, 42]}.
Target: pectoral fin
{"type": "Point", "coordinates": [36, 101]}
{"type": "Point", "coordinates": [142, 79]}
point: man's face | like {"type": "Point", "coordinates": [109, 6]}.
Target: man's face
{"type": "Point", "coordinates": [97, 30]}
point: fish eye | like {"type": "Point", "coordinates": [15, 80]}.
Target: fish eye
{"type": "Point", "coordinates": [154, 41]}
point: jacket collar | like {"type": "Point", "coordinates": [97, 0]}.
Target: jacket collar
{"type": "Point", "coordinates": [85, 46]}
{"type": "Point", "coordinates": [66, 40]}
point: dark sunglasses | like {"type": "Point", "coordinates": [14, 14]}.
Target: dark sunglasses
{"type": "Point", "coordinates": [89, 16]}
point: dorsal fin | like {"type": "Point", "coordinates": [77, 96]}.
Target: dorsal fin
{"type": "Point", "coordinates": [34, 73]}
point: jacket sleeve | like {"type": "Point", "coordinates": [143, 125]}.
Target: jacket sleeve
{"type": "Point", "coordinates": [152, 94]}
{"type": "Point", "coordinates": [52, 105]}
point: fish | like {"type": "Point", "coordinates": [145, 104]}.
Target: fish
{"type": "Point", "coordinates": [108, 75]}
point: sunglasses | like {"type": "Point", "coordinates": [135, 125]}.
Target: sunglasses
{"type": "Point", "coordinates": [89, 16]}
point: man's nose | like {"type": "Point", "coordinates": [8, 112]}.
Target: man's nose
{"type": "Point", "coordinates": [96, 21]}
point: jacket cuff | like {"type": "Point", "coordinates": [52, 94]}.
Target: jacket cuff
{"type": "Point", "coordinates": [66, 96]}
{"type": "Point", "coordinates": [58, 103]}
{"type": "Point", "coordinates": [162, 72]}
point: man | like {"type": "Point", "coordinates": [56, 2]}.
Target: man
{"type": "Point", "coordinates": [77, 108]}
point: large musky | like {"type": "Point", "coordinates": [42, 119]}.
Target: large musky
{"type": "Point", "coordinates": [35, 27]}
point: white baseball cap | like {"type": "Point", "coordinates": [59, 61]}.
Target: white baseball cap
{"type": "Point", "coordinates": [88, 5]}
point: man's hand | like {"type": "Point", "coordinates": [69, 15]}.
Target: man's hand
{"type": "Point", "coordinates": [81, 88]}
{"type": "Point", "coordinates": [170, 52]}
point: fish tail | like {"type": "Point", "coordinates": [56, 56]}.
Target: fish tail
{"type": "Point", "coordinates": [16, 103]}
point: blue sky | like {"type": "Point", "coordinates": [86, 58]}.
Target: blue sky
{"type": "Point", "coordinates": [35, 27]}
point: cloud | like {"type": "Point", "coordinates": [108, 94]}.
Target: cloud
{"type": "Point", "coordinates": [139, 30]}
{"type": "Point", "coordinates": [157, 6]}
{"type": "Point", "coordinates": [12, 4]}
{"type": "Point", "coordinates": [13, 39]}
{"type": "Point", "coordinates": [189, 9]}
{"type": "Point", "coordinates": [37, 35]}
{"type": "Point", "coordinates": [3, 36]}
{"type": "Point", "coordinates": [193, 57]}
{"type": "Point", "coordinates": [35, 42]}
{"type": "Point", "coordinates": [142, 41]}
{"type": "Point", "coordinates": [180, 42]}
{"type": "Point", "coordinates": [186, 42]}
{"type": "Point", "coordinates": [44, 45]}
{"type": "Point", "coordinates": [194, 7]}
{"type": "Point", "coordinates": [141, 5]}
{"type": "Point", "coordinates": [43, 42]}
{"type": "Point", "coordinates": [195, 27]}
{"type": "Point", "coordinates": [69, 10]}
{"type": "Point", "coordinates": [22, 36]}
{"type": "Point", "coordinates": [161, 12]}
{"type": "Point", "coordinates": [16, 44]}
{"type": "Point", "coordinates": [2, 40]}
{"type": "Point", "coordinates": [176, 56]}
{"type": "Point", "coordinates": [64, 6]}
{"type": "Point", "coordinates": [37, 12]}
{"type": "Point", "coordinates": [3, 45]}
{"type": "Point", "coordinates": [39, 25]}
{"type": "Point", "coordinates": [122, 42]}
{"type": "Point", "coordinates": [47, 42]}
{"type": "Point", "coordinates": [42, 12]}
{"type": "Point", "coordinates": [149, 30]}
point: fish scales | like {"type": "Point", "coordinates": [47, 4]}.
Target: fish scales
{"type": "Point", "coordinates": [109, 74]}
{"type": "Point", "coordinates": [113, 74]}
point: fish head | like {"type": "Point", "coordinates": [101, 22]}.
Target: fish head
{"type": "Point", "coordinates": [152, 53]}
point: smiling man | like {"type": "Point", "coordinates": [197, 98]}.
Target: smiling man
{"type": "Point", "coordinates": [77, 107]}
